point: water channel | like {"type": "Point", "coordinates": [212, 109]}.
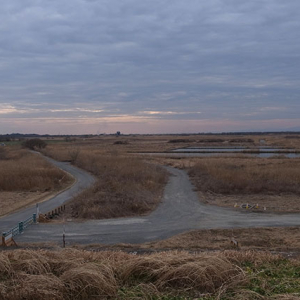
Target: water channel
{"type": "Point", "coordinates": [263, 152]}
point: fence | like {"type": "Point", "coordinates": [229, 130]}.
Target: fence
{"type": "Point", "coordinates": [52, 213]}
{"type": "Point", "coordinates": [8, 236]}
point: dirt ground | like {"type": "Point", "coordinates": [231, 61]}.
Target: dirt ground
{"type": "Point", "coordinates": [277, 240]}
{"type": "Point", "coordinates": [284, 241]}
{"type": "Point", "coordinates": [13, 201]}
{"type": "Point", "coordinates": [285, 203]}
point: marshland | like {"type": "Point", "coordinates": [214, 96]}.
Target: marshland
{"type": "Point", "coordinates": [200, 264]}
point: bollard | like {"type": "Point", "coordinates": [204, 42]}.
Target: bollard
{"type": "Point", "coordinates": [21, 227]}
{"type": "Point", "coordinates": [34, 218]}
{"type": "Point", "coordinates": [3, 239]}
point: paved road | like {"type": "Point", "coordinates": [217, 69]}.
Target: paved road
{"type": "Point", "coordinates": [83, 181]}
{"type": "Point", "coordinates": [179, 211]}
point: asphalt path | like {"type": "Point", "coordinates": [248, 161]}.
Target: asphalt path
{"type": "Point", "coordinates": [179, 211]}
{"type": "Point", "coordinates": [83, 181]}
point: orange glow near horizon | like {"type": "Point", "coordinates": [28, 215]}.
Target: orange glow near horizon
{"type": "Point", "coordinates": [137, 124]}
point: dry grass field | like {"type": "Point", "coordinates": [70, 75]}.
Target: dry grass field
{"type": "Point", "coordinates": [126, 185]}
{"type": "Point", "coordinates": [202, 263]}
{"type": "Point", "coordinates": [27, 178]}
{"type": "Point", "coordinates": [75, 274]}
{"type": "Point", "coordinates": [224, 181]}
{"type": "Point", "coordinates": [271, 182]}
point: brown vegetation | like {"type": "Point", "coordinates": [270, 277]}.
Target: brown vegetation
{"type": "Point", "coordinates": [268, 239]}
{"type": "Point", "coordinates": [125, 186]}
{"type": "Point", "coordinates": [73, 274]}
{"type": "Point", "coordinates": [181, 141]}
{"type": "Point", "coordinates": [247, 176]}
{"type": "Point", "coordinates": [25, 178]}
{"type": "Point", "coordinates": [272, 183]}
{"type": "Point", "coordinates": [24, 171]}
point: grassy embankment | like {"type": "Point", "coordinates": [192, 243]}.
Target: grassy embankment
{"type": "Point", "coordinates": [26, 178]}
{"type": "Point", "coordinates": [125, 186]}
{"type": "Point", "coordinates": [73, 274]}
{"type": "Point", "coordinates": [272, 182]}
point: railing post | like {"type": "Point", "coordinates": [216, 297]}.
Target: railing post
{"type": "Point", "coordinates": [21, 227]}
{"type": "Point", "coordinates": [34, 218]}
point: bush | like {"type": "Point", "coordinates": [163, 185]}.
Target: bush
{"type": "Point", "coordinates": [181, 141]}
{"type": "Point", "coordinates": [34, 144]}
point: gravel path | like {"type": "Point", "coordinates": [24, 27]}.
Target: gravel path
{"type": "Point", "coordinates": [83, 181]}
{"type": "Point", "coordinates": [179, 211]}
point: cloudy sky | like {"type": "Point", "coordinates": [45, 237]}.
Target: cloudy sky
{"type": "Point", "coordinates": [151, 66]}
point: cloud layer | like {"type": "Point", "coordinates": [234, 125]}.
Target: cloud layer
{"type": "Point", "coordinates": [149, 66]}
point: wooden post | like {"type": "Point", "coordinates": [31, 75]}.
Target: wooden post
{"type": "Point", "coordinates": [64, 237]}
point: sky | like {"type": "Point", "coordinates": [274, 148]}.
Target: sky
{"type": "Point", "coordinates": [167, 66]}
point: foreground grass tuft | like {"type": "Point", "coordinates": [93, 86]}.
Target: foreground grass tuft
{"type": "Point", "coordinates": [74, 274]}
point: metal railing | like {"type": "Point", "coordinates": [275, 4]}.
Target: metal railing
{"type": "Point", "coordinates": [18, 229]}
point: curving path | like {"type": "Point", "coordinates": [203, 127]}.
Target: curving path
{"type": "Point", "coordinates": [179, 211]}
{"type": "Point", "coordinates": [83, 181]}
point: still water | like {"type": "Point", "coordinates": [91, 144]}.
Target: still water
{"type": "Point", "coordinates": [226, 151]}
{"type": "Point", "coordinates": [209, 154]}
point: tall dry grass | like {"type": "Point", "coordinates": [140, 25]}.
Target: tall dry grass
{"type": "Point", "coordinates": [247, 176]}
{"type": "Point", "coordinates": [74, 274]}
{"type": "Point", "coordinates": [21, 170]}
{"type": "Point", "coordinates": [126, 185]}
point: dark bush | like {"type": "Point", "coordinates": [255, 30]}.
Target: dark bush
{"type": "Point", "coordinates": [121, 143]}
{"type": "Point", "coordinates": [181, 141]}
{"type": "Point", "coordinates": [34, 144]}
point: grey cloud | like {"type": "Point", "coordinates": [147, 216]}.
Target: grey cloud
{"type": "Point", "coordinates": [227, 58]}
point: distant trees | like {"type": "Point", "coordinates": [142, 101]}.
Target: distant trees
{"type": "Point", "coordinates": [34, 144]}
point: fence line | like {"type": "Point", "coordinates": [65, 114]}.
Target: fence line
{"type": "Point", "coordinates": [8, 236]}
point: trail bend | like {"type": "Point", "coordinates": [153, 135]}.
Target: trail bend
{"type": "Point", "coordinates": [83, 181]}
{"type": "Point", "coordinates": [179, 211]}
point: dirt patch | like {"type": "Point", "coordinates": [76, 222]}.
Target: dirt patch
{"type": "Point", "coordinates": [285, 203]}
{"type": "Point", "coordinates": [285, 241]}
{"type": "Point", "coordinates": [270, 239]}
{"type": "Point", "coordinates": [13, 201]}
